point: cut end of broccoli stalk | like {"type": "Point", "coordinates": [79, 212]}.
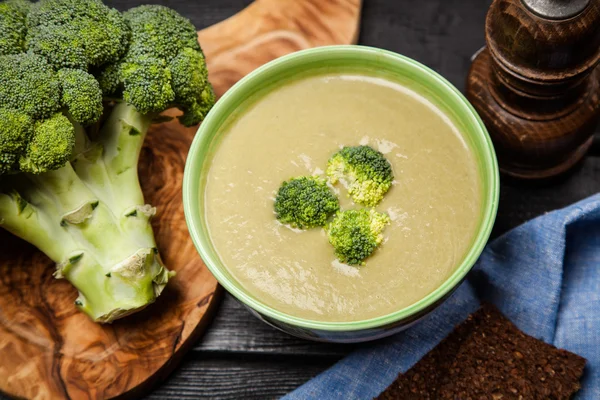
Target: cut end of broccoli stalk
{"type": "Point", "coordinates": [127, 287]}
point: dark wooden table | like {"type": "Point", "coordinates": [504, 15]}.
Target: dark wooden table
{"type": "Point", "coordinates": [242, 358]}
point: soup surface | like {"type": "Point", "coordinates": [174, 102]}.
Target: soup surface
{"type": "Point", "coordinates": [434, 203]}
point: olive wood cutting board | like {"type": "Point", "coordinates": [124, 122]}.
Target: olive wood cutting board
{"type": "Point", "coordinates": [49, 350]}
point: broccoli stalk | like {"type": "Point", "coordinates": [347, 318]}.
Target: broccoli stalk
{"type": "Point", "coordinates": [117, 146]}
{"type": "Point", "coordinates": [88, 216]}
{"type": "Point", "coordinates": [69, 182]}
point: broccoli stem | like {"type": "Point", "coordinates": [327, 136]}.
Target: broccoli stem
{"type": "Point", "coordinates": [81, 211]}
{"type": "Point", "coordinates": [122, 137]}
{"type": "Point", "coordinates": [36, 226]}
{"type": "Point", "coordinates": [118, 145]}
{"type": "Point", "coordinates": [109, 168]}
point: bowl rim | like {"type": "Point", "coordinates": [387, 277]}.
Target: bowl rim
{"type": "Point", "coordinates": [202, 140]}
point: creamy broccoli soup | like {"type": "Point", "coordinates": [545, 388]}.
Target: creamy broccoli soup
{"type": "Point", "coordinates": [433, 205]}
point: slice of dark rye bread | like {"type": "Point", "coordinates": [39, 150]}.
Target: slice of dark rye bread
{"type": "Point", "coordinates": [487, 357]}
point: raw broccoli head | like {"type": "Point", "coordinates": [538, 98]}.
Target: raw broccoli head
{"type": "Point", "coordinates": [34, 135]}
{"type": "Point", "coordinates": [305, 202]}
{"type": "Point", "coordinates": [13, 26]}
{"type": "Point", "coordinates": [365, 171]}
{"type": "Point", "coordinates": [355, 234]}
{"type": "Point", "coordinates": [76, 33]}
{"type": "Point", "coordinates": [163, 67]}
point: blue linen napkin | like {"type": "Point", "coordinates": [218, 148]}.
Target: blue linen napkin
{"type": "Point", "coordinates": [543, 275]}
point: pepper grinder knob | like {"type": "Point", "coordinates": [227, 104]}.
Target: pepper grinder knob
{"type": "Point", "coordinates": [537, 84]}
{"type": "Point", "coordinates": [556, 9]}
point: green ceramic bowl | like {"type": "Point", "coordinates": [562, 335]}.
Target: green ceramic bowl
{"type": "Point", "coordinates": [330, 59]}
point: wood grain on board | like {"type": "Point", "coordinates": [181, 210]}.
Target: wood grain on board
{"type": "Point", "coordinates": [268, 29]}
{"type": "Point", "coordinates": [51, 351]}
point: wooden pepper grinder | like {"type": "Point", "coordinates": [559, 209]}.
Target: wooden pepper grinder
{"type": "Point", "coordinates": [536, 85]}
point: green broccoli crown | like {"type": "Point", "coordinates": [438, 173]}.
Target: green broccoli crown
{"type": "Point", "coordinates": [356, 234]}
{"type": "Point", "coordinates": [13, 26]}
{"type": "Point", "coordinates": [15, 132]}
{"type": "Point", "coordinates": [28, 83]}
{"type": "Point", "coordinates": [193, 92]}
{"type": "Point", "coordinates": [160, 32]}
{"type": "Point", "coordinates": [76, 33]}
{"type": "Point", "coordinates": [147, 84]}
{"type": "Point", "coordinates": [50, 146]}
{"type": "Point", "coordinates": [81, 94]}
{"type": "Point", "coordinates": [305, 202]}
{"type": "Point", "coordinates": [365, 171]}
{"type": "Point", "coordinates": [163, 67]}
{"type": "Point", "coordinates": [34, 135]}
